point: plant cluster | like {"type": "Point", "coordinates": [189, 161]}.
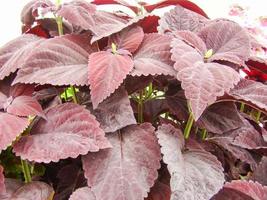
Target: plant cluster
{"type": "Point", "coordinates": [97, 105]}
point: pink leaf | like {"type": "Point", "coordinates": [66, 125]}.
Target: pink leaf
{"type": "Point", "coordinates": [229, 41]}
{"type": "Point", "coordinates": [58, 61]}
{"type": "Point", "coordinates": [69, 131]}
{"type": "Point", "coordinates": [2, 181]}
{"type": "Point", "coordinates": [204, 82]}
{"type": "Point", "coordinates": [115, 112]}
{"type": "Point", "coordinates": [128, 39]}
{"type": "Point", "coordinates": [11, 186]}
{"type": "Point", "coordinates": [33, 191]}
{"type": "Point", "coordinates": [159, 191]}
{"type": "Point", "coordinates": [242, 190]}
{"type": "Point", "coordinates": [191, 170]}
{"type": "Point", "coordinates": [83, 193]}
{"type": "Point", "coordinates": [251, 92]}
{"type": "Point", "coordinates": [25, 106]}
{"type": "Point", "coordinates": [131, 165]}
{"type": "Point", "coordinates": [179, 19]}
{"type": "Point", "coordinates": [10, 127]}
{"type": "Point", "coordinates": [15, 52]}
{"type": "Point", "coordinates": [153, 56]}
{"type": "Point", "coordinates": [106, 73]}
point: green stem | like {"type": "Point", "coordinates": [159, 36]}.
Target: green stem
{"type": "Point", "coordinates": [258, 116]}
{"type": "Point", "coordinates": [26, 171]}
{"type": "Point", "coordinates": [188, 126]}
{"type": "Point", "coordinates": [74, 97]}
{"type": "Point", "coordinates": [242, 107]}
{"type": "Point", "coordinates": [140, 108]}
{"type": "Point", "coordinates": [204, 134]}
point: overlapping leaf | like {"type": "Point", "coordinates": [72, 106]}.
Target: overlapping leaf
{"type": "Point", "coordinates": [83, 193]}
{"type": "Point", "coordinates": [70, 130]}
{"type": "Point", "coordinates": [115, 112]}
{"type": "Point", "coordinates": [2, 181]}
{"type": "Point", "coordinates": [242, 190]}
{"type": "Point", "coordinates": [159, 191]}
{"type": "Point", "coordinates": [252, 92]}
{"type": "Point", "coordinates": [221, 118]}
{"type": "Point", "coordinates": [106, 73]}
{"type": "Point", "coordinates": [153, 56]}
{"type": "Point", "coordinates": [195, 173]}
{"type": "Point", "coordinates": [260, 173]}
{"type": "Point", "coordinates": [179, 19]}
{"type": "Point", "coordinates": [58, 61]}
{"type": "Point", "coordinates": [131, 165]}
{"type": "Point", "coordinates": [15, 52]}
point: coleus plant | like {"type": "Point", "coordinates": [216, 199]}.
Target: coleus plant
{"type": "Point", "coordinates": [119, 107]}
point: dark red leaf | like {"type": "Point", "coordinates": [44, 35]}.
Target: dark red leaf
{"type": "Point", "coordinates": [2, 181]}
{"type": "Point", "coordinates": [257, 69]}
{"type": "Point", "coordinates": [115, 112]}
{"type": "Point", "coordinates": [39, 31]}
{"type": "Point", "coordinates": [131, 165]}
{"type": "Point", "coordinates": [191, 170]}
{"type": "Point", "coordinates": [179, 19]}
{"type": "Point", "coordinates": [153, 56]}
{"type": "Point", "coordinates": [15, 52]}
{"type": "Point", "coordinates": [149, 23]}
{"type": "Point", "coordinates": [128, 39]}
{"type": "Point", "coordinates": [260, 173]}
{"type": "Point", "coordinates": [106, 73]}
{"type": "Point", "coordinates": [83, 193]}
{"type": "Point", "coordinates": [70, 130]}
{"type": "Point", "coordinates": [242, 190]}
{"type": "Point", "coordinates": [58, 61]}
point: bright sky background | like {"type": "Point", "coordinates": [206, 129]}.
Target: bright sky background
{"type": "Point", "coordinates": [11, 26]}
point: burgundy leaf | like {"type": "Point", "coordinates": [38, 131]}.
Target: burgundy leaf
{"type": "Point", "coordinates": [83, 193]}
{"type": "Point", "coordinates": [159, 191]}
{"type": "Point", "coordinates": [131, 165]}
{"type": "Point", "coordinates": [115, 112]}
{"type": "Point", "coordinates": [191, 170]}
{"type": "Point", "coordinates": [242, 190]}
{"type": "Point", "coordinates": [221, 118]}
{"type": "Point", "coordinates": [228, 41]}
{"type": "Point", "coordinates": [15, 52]}
{"type": "Point", "coordinates": [260, 174]}
{"type": "Point", "coordinates": [33, 191]}
{"type": "Point", "coordinates": [25, 106]}
{"type": "Point", "coordinates": [149, 23]}
{"type": "Point", "coordinates": [11, 126]}
{"type": "Point", "coordinates": [30, 10]}
{"type": "Point", "coordinates": [251, 92]}
{"type": "Point", "coordinates": [128, 39]}
{"type": "Point", "coordinates": [106, 73]}
{"type": "Point", "coordinates": [78, 12]}
{"type": "Point", "coordinates": [58, 61]}
{"type": "Point", "coordinates": [2, 181]}
{"type": "Point", "coordinates": [179, 19]}
{"type": "Point", "coordinates": [204, 82]}
{"type": "Point", "coordinates": [153, 56]}
{"type": "Point", "coordinates": [70, 130]}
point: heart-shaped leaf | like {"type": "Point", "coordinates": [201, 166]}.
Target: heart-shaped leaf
{"type": "Point", "coordinates": [195, 173]}
{"type": "Point", "coordinates": [131, 165]}
{"type": "Point", "coordinates": [106, 73]}
{"type": "Point", "coordinates": [69, 131]}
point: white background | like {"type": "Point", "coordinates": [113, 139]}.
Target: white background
{"type": "Point", "coordinates": [11, 26]}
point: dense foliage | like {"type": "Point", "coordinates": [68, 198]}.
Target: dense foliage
{"type": "Point", "coordinates": [97, 105]}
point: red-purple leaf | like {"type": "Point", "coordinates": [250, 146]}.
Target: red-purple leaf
{"type": "Point", "coordinates": [11, 186]}
{"type": "Point", "coordinates": [251, 92]}
{"type": "Point", "coordinates": [179, 19]}
{"type": "Point", "coordinates": [83, 193]}
{"type": "Point", "coordinates": [204, 82]}
{"type": "Point", "coordinates": [242, 190]}
{"type": "Point", "coordinates": [25, 106]}
{"type": "Point", "coordinates": [221, 118]}
{"type": "Point", "coordinates": [159, 191]}
{"type": "Point", "coordinates": [260, 173]}
{"type": "Point", "coordinates": [128, 39]}
{"type": "Point", "coordinates": [69, 131]}
{"type": "Point", "coordinates": [106, 73]}
{"type": "Point", "coordinates": [195, 173]}
{"type": "Point", "coordinates": [78, 12]}
{"type": "Point", "coordinates": [33, 191]}
{"type": "Point", "coordinates": [15, 52]}
{"type": "Point", "coordinates": [228, 41]}
{"type": "Point", "coordinates": [11, 126]}
{"type": "Point", "coordinates": [153, 56]}
{"type": "Point", "coordinates": [115, 112]}
{"type": "Point", "coordinates": [58, 61]}
{"type": "Point", "coordinates": [2, 181]}
{"type": "Point", "coordinates": [131, 165]}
